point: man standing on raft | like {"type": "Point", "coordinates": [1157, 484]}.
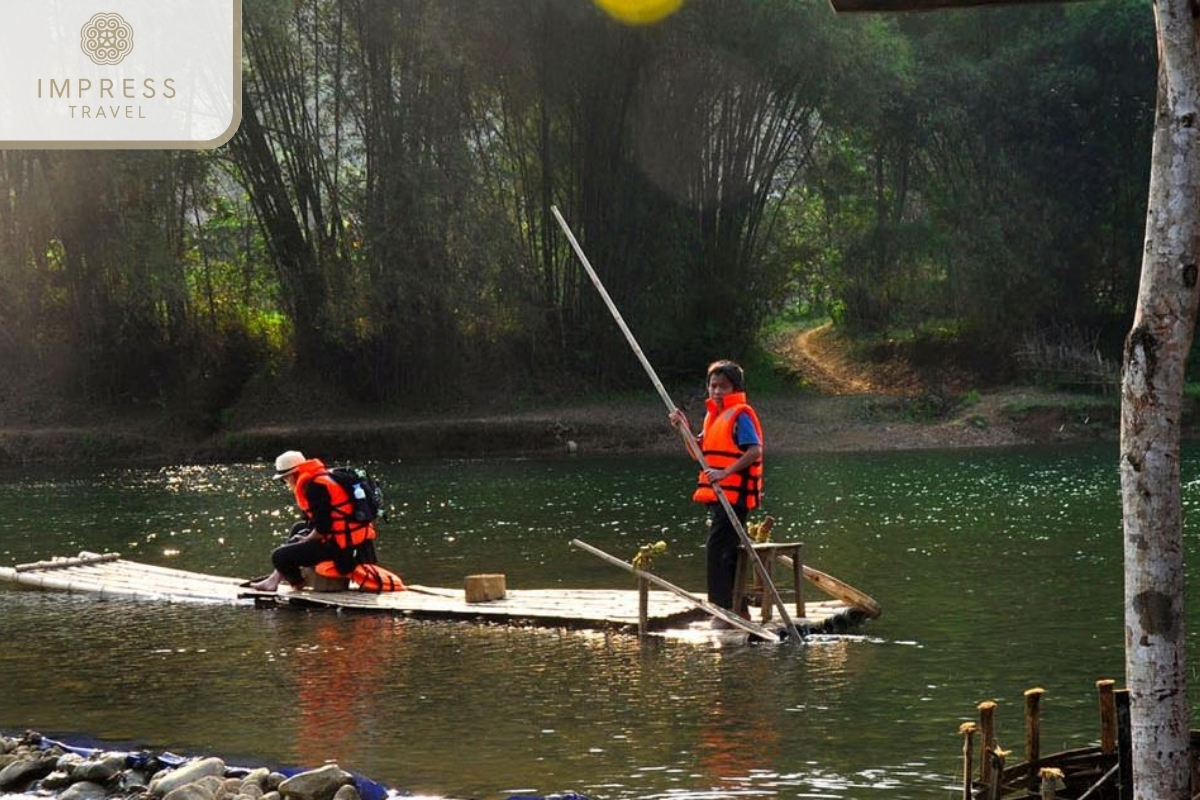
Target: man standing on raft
{"type": "Point", "coordinates": [329, 533]}
{"type": "Point", "coordinates": [732, 444]}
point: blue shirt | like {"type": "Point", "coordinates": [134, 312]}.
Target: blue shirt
{"type": "Point", "coordinates": [745, 434]}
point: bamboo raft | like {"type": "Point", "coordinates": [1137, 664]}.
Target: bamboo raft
{"type": "Point", "coordinates": [110, 575]}
{"type": "Point", "coordinates": [1100, 772]}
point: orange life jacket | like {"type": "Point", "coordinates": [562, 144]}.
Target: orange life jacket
{"type": "Point", "coordinates": [368, 577]}
{"type": "Point", "coordinates": [345, 530]}
{"type": "Point", "coordinates": [720, 448]}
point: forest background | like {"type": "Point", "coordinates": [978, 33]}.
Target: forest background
{"type": "Point", "coordinates": [965, 191]}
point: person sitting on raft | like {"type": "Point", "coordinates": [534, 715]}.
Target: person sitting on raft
{"type": "Point", "coordinates": [329, 532]}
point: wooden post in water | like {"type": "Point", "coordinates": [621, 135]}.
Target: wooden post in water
{"type": "Point", "coordinates": [987, 727]}
{"type": "Point", "coordinates": [1052, 782]}
{"type": "Point", "coordinates": [1033, 732]}
{"type": "Point", "coordinates": [1108, 716]}
{"type": "Point", "coordinates": [997, 759]}
{"type": "Point", "coordinates": [1124, 744]}
{"type": "Point", "coordinates": [967, 731]}
{"type": "Point", "coordinates": [643, 606]}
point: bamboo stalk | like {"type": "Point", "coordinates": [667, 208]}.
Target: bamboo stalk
{"type": "Point", "coordinates": [967, 731]}
{"type": "Point", "coordinates": [1108, 716]}
{"type": "Point", "coordinates": [643, 606]}
{"type": "Point", "coordinates": [1124, 744]}
{"type": "Point", "coordinates": [997, 757]}
{"type": "Point", "coordinates": [61, 563]}
{"type": "Point", "coordinates": [716, 611]}
{"type": "Point", "coordinates": [987, 727]}
{"type": "Point", "coordinates": [1051, 782]}
{"type": "Point", "coordinates": [1033, 732]}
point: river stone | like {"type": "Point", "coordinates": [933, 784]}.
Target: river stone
{"type": "Point", "coordinates": [68, 761]}
{"type": "Point", "coordinates": [316, 784]}
{"type": "Point", "coordinates": [99, 770]}
{"type": "Point", "coordinates": [24, 771]}
{"type": "Point", "coordinates": [347, 792]}
{"type": "Point", "coordinates": [7, 758]}
{"type": "Point", "coordinates": [59, 779]}
{"type": "Point", "coordinates": [134, 779]}
{"type": "Point", "coordinates": [271, 795]}
{"type": "Point", "coordinates": [164, 783]}
{"type": "Point", "coordinates": [213, 784]}
{"type": "Point", "coordinates": [190, 791]}
{"type": "Point", "coordinates": [273, 781]}
{"type": "Point", "coordinates": [258, 777]}
{"type": "Point", "coordinates": [250, 789]}
{"type": "Point", "coordinates": [84, 790]}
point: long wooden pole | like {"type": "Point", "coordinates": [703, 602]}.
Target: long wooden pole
{"type": "Point", "coordinates": [716, 611]}
{"type": "Point", "coordinates": [688, 438]}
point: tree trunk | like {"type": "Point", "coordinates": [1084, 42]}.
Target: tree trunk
{"type": "Point", "coordinates": [1151, 403]}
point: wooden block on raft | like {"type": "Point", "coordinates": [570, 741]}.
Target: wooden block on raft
{"type": "Point", "coordinates": [483, 588]}
{"type": "Point", "coordinates": [319, 583]}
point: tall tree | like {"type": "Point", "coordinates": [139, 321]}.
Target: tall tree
{"type": "Point", "coordinates": [1151, 401]}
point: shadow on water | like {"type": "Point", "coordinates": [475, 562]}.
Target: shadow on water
{"type": "Point", "coordinates": [997, 571]}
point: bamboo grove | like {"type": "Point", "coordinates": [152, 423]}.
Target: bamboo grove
{"type": "Point", "coordinates": [381, 220]}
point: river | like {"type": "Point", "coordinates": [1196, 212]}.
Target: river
{"type": "Point", "coordinates": [997, 570]}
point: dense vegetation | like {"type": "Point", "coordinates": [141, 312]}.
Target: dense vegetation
{"type": "Point", "coordinates": [381, 222]}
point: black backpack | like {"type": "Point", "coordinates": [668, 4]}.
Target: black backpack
{"type": "Point", "coordinates": [366, 496]}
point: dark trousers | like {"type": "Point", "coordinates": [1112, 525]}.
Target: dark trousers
{"type": "Point", "coordinates": [289, 558]}
{"type": "Point", "coordinates": [723, 545]}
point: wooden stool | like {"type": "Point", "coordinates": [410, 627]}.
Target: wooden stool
{"type": "Point", "coordinates": [768, 552]}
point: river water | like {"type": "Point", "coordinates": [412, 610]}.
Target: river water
{"type": "Point", "coordinates": [997, 571]}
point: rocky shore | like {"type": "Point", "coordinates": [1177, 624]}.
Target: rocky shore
{"type": "Point", "coordinates": [35, 765]}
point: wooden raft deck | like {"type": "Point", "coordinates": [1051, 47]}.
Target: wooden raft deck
{"type": "Point", "coordinates": [110, 575]}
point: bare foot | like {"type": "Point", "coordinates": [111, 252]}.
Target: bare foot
{"type": "Point", "coordinates": [265, 585]}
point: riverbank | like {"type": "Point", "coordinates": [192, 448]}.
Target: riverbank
{"type": "Point", "coordinates": [827, 396]}
{"type": "Point", "coordinates": [795, 422]}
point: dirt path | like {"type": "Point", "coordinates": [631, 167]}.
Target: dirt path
{"type": "Point", "coordinates": [823, 363]}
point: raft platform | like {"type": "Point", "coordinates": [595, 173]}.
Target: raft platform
{"type": "Point", "coordinates": [109, 575]}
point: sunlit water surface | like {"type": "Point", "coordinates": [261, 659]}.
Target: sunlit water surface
{"type": "Point", "coordinates": [997, 571]}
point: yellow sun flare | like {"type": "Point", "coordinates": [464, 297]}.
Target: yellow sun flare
{"type": "Point", "coordinates": [639, 12]}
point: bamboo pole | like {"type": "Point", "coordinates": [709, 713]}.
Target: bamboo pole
{"type": "Point", "coordinates": [997, 758]}
{"type": "Point", "coordinates": [1051, 782]}
{"type": "Point", "coordinates": [704, 605]}
{"type": "Point", "coordinates": [60, 563]}
{"type": "Point", "coordinates": [987, 728]}
{"type": "Point", "coordinates": [1124, 744]}
{"type": "Point", "coordinates": [1033, 732]}
{"type": "Point", "coordinates": [688, 438]}
{"type": "Point", "coordinates": [967, 730]}
{"type": "Point", "coordinates": [643, 606]}
{"type": "Point", "coordinates": [1108, 716]}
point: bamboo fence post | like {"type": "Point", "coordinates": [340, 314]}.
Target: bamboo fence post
{"type": "Point", "coordinates": [1033, 732]}
{"type": "Point", "coordinates": [643, 606]}
{"type": "Point", "coordinates": [797, 574]}
{"type": "Point", "coordinates": [967, 731]}
{"type": "Point", "coordinates": [987, 727]}
{"type": "Point", "coordinates": [998, 758]}
{"type": "Point", "coordinates": [1124, 744]}
{"type": "Point", "coordinates": [1108, 716]}
{"type": "Point", "coordinates": [1052, 782]}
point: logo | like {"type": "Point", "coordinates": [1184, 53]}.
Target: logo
{"type": "Point", "coordinates": [106, 38]}
{"type": "Point", "coordinates": [157, 75]}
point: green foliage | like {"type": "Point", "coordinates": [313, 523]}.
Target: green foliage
{"type": "Point", "coordinates": [381, 221]}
